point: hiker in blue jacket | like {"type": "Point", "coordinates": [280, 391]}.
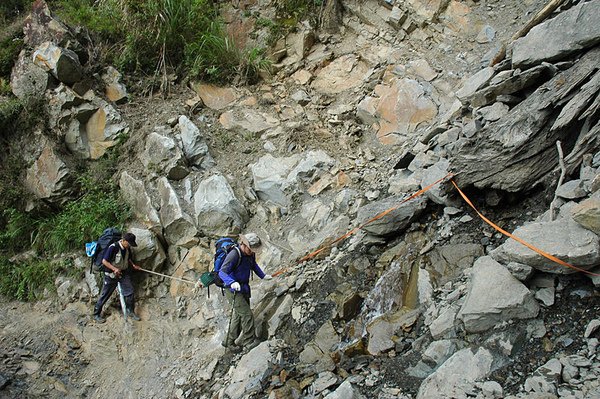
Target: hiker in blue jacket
{"type": "Point", "coordinates": [118, 263]}
{"type": "Point", "coordinates": [236, 277]}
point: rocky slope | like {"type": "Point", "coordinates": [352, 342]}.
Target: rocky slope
{"type": "Point", "coordinates": [428, 301]}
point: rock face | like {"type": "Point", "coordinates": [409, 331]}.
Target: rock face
{"type": "Point", "coordinates": [342, 74]}
{"type": "Point", "coordinates": [569, 32]}
{"type": "Point", "coordinates": [447, 383]}
{"type": "Point", "coordinates": [218, 211]}
{"type": "Point", "coordinates": [49, 178]}
{"type": "Point", "coordinates": [149, 253]}
{"type": "Point", "coordinates": [134, 192]}
{"type": "Point", "coordinates": [562, 238]}
{"type": "Point", "coordinates": [62, 63]}
{"type": "Point", "coordinates": [251, 371]}
{"type": "Point", "coordinates": [275, 179]}
{"type": "Point", "coordinates": [513, 153]}
{"type": "Point", "coordinates": [178, 226]}
{"type": "Point", "coordinates": [495, 296]}
{"type": "Point", "coordinates": [399, 109]}
{"type": "Point", "coordinates": [396, 220]}
{"type": "Point", "coordinates": [163, 154]}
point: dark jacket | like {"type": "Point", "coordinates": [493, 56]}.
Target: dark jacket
{"type": "Point", "coordinates": [111, 253]}
{"type": "Point", "coordinates": [231, 271]}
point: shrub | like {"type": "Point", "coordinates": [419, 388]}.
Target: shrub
{"type": "Point", "coordinates": [26, 280]}
{"type": "Point", "coordinates": [151, 36]}
{"type": "Point", "coordinates": [9, 9]}
{"type": "Point", "coordinates": [9, 50]}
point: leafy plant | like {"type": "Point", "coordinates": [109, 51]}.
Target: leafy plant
{"type": "Point", "coordinates": [9, 50]}
{"type": "Point", "coordinates": [10, 110]}
{"type": "Point", "coordinates": [25, 280]}
{"type": "Point", "coordinates": [83, 219]}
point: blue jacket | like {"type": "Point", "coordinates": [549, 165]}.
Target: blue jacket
{"type": "Point", "coordinates": [230, 273]}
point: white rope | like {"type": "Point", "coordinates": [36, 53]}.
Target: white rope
{"type": "Point", "coordinates": [171, 277]}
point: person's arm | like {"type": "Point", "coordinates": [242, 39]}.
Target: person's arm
{"type": "Point", "coordinates": [226, 272]}
{"type": "Point", "coordinates": [109, 254]}
{"type": "Point", "coordinates": [136, 267]}
{"type": "Point", "coordinates": [257, 269]}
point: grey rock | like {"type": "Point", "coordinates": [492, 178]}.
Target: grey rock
{"type": "Point", "coordinates": [571, 190]}
{"type": "Point", "coordinates": [495, 296]}
{"type": "Point", "coordinates": [28, 80]}
{"type": "Point", "coordinates": [345, 391]}
{"type": "Point", "coordinates": [62, 63]}
{"type": "Point", "coordinates": [591, 328]}
{"type": "Point", "coordinates": [324, 380]}
{"type": "Point", "coordinates": [193, 144]}
{"type": "Point", "coordinates": [449, 261]}
{"type": "Point", "coordinates": [486, 35]}
{"type": "Point", "coordinates": [135, 194]}
{"type": "Point", "coordinates": [555, 39]}
{"type": "Point", "coordinates": [49, 178]}
{"type": "Point", "coordinates": [443, 325]}
{"type": "Point", "coordinates": [587, 214]}
{"type": "Point", "coordinates": [178, 226]}
{"type": "Point", "coordinates": [163, 155]}
{"type": "Point", "coordinates": [301, 97]}
{"type": "Point", "coordinates": [251, 371]}
{"type": "Point", "coordinates": [438, 351]}
{"type": "Point", "coordinates": [493, 112]}
{"type": "Point", "coordinates": [149, 252]}
{"type": "Point", "coordinates": [563, 238]}
{"type": "Point", "coordinates": [396, 220]}
{"type": "Point", "coordinates": [475, 82]}
{"type": "Point", "coordinates": [445, 382]}
{"type": "Point", "coordinates": [217, 210]}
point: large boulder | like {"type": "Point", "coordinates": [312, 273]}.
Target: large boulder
{"type": "Point", "coordinates": [193, 144]}
{"type": "Point", "coordinates": [62, 63]}
{"type": "Point", "coordinates": [49, 178]}
{"type": "Point", "coordinates": [252, 371]}
{"type": "Point", "coordinates": [149, 252]}
{"type": "Point", "coordinates": [28, 80]}
{"type": "Point", "coordinates": [178, 226]}
{"type": "Point", "coordinates": [276, 179]}
{"type": "Point", "coordinates": [218, 211]}
{"type": "Point", "coordinates": [446, 382]}
{"type": "Point", "coordinates": [567, 33]}
{"type": "Point", "coordinates": [395, 221]}
{"type": "Point", "coordinates": [135, 194]}
{"type": "Point", "coordinates": [163, 155]}
{"type": "Point", "coordinates": [495, 296]}
{"type": "Point", "coordinates": [562, 238]}
{"type": "Point", "coordinates": [40, 26]}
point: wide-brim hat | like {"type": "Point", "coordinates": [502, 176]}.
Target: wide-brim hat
{"type": "Point", "coordinates": [252, 241]}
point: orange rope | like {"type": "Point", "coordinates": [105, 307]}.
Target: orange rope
{"type": "Point", "coordinates": [519, 240]}
{"type": "Point", "coordinates": [354, 230]}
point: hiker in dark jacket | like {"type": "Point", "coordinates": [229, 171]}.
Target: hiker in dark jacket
{"type": "Point", "coordinates": [236, 277]}
{"type": "Point", "coordinates": [118, 264]}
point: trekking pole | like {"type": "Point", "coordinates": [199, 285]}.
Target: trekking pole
{"type": "Point", "coordinates": [122, 299]}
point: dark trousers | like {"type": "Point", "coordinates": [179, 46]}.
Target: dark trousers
{"type": "Point", "coordinates": [109, 287]}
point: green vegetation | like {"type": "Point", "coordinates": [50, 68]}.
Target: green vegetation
{"type": "Point", "coordinates": [9, 9]}
{"type": "Point", "coordinates": [80, 221]}
{"type": "Point", "coordinates": [157, 36]}
{"type": "Point", "coordinates": [26, 280]}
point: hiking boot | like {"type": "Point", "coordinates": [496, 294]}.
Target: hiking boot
{"type": "Point", "coordinates": [134, 316]}
{"type": "Point", "coordinates": [252, 345]}
{"type": "Point", "coordinates": [99, 319]}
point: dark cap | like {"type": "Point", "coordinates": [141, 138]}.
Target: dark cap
{"type": "Point", "coordinates": [130, 238]}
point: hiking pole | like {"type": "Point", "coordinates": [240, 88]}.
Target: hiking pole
{"type": "Point", "coordinates": [122, 299]}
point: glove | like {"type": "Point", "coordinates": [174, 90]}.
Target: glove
{"type": "Point", "coordinates": [236, 286]}
{"type": "Point", "coordinates": [267, 277]}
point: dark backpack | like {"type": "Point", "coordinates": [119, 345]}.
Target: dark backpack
{"type": "Point", "coordinates": [95, 250]}
{"type": "Point", "coordinates": [222, 247]}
